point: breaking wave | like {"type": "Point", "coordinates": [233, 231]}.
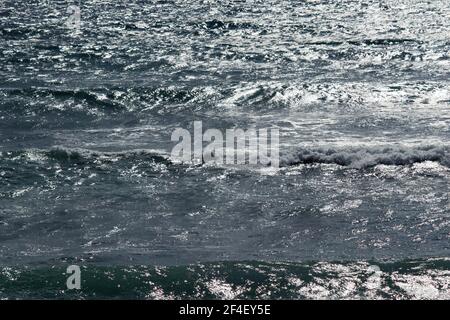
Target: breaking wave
{"type": "Point", "coordinates": [365, 157]}
{"type": "Point", "coordinates": [82, 156]}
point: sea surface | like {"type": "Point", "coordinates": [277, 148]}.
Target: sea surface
{"type": "Point", "coordinates": [358, 209]}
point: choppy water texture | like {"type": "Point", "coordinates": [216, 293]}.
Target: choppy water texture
{"type": "Point", "coordinates": [359, 90]}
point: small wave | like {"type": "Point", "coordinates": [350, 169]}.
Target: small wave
{"type": "Point", "coordinates": [365, 157]}
{"type": "Point", "coordinates": [226, 25]}
{"type": "Point", "coordinates": [365, 42]}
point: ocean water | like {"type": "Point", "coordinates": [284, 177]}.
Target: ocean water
{"type": "Point", "coordinates": [359, 91]}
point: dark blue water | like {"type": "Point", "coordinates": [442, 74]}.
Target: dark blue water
{"type": "Point", "coordinates": [359, 91]}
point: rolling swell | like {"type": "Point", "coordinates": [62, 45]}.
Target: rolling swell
{"type": "Point", "coordinates": [356, 157]}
